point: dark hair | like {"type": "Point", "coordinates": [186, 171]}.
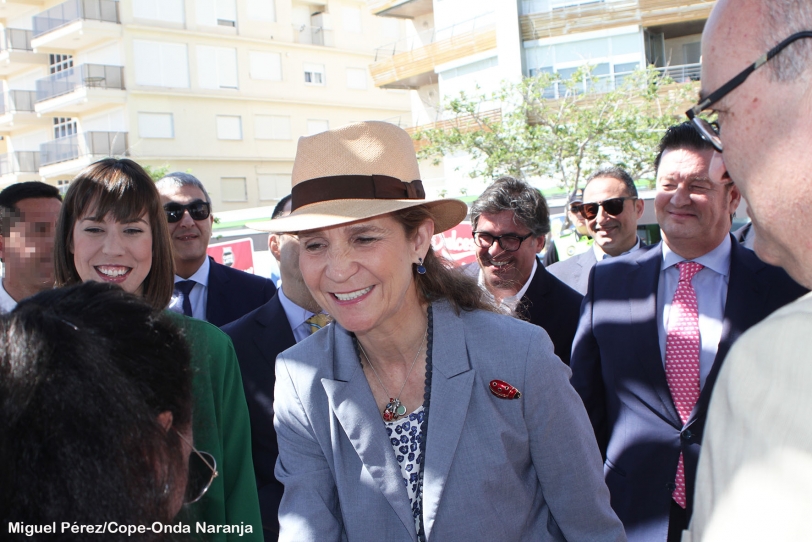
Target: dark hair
{"type": "Point", "coordinates": [440, 282]}
{"type": "Point", "coordinates": [680, 136]}
{"type": "Point", "coordinates": [13, 194]}
{"type": "Point", "coordinates": [122, 187]}
{"type": "Point", "coordinates": [181, 179]}
{"type": "Point", "coordinates": [510, 194]}
{"type": "Point", "coordinates": [280, 207]}
{"type": "Point", "coordinates": [85, 372]}
{"type": "Point", "coordinates": [617, 173]}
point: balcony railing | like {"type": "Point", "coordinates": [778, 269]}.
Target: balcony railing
{"type": "Point", "coordinates": [313, 35]}
{"type": "Point", "coordinates": [86, 75]}
{"type": "Point", "coordinates": [684, 73]}
{"type": "Point", "coordinates": [87, 144]}
{"type": "Point", "coordinates": [19, 162]}
{"type": "Point", "coordinates": [75, 10]}
{"type": "Point", "coordinates": [427, 37]}
{"type": "Point", "coordinates": [16, 39]}
{"type": "Point", "coordinates": [18, 101]}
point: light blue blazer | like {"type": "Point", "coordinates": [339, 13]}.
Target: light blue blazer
{"type": "Point", "coordinates": [495, 469]}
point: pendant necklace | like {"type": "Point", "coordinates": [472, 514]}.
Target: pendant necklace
{"type": "Point", "coordinates": [394, 408]}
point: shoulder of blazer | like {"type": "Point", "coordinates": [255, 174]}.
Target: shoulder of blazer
{"type": "Point", "coordinates": [224, 274]}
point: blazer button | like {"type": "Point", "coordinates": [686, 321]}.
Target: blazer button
{"type": "Point", "coordinates": [671, 487]}
{"type": "Point", "coordinates": [686, 435]}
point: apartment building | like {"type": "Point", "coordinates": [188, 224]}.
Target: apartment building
{"type": "Point", "coordinates": [456, 45]}
{"type": "Point", "coordinates": [222, 88]}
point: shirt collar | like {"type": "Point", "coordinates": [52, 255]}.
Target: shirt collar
{"type": "Point", "coordinates": [296, 315]}
{"type": "Point", "coordinates": [600, 254]}
{"type": "Point", "coordinates": [717, 259]}
{"type": "Point", "coordinates": [513, 300]}
{"type": "Point", "coordinates": [201, 276]}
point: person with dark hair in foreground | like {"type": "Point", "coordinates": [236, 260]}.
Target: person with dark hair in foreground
{"type": "Point", "coordinates": [95, 414]}
{"type": "Point", "coordinates": [28, 214]}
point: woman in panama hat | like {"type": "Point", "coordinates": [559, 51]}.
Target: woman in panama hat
{"type": "Point", "coordinates": [421, 414]}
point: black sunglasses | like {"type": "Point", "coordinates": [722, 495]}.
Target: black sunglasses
{"type": "Point", "coordinates": [509, 242]}
{"type": "Point", "coordinates": [706, 129]}
{"type": "Point", "coordinates": [613, 206]}
{"type": "Point", "coordinates": [198, 210]}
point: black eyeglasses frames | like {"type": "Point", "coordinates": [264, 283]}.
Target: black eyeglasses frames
{"type": "Point", "coordinates": [507, 242]}
{"type": "Point", "coordinates": [706, 129]}
{"type": "Point", "coordinates": [198, 210]}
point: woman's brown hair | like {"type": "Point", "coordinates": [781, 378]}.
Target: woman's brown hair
{"type": "Point", "coordinates": [439, 281]}
{"type": "Point", "coordinates": [123, 188]}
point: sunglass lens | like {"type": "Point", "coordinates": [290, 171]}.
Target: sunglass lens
{"type": "Point", "coordinates": [589, 210]}
{"type": "Point", "coordinates": [199, 210]}
{"type": "Point", "coordinates": [613, 206]}
{"type": "Point", "coordinates": [200, 478]}
{"type": "Point", "coordinates": [174, 212]}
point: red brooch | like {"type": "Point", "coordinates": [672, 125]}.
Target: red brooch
{"type": "Point", "coordinates": [503, 390]}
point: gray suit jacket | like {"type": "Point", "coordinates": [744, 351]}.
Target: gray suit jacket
{"type": "Point", "coordinates": [495, 469]}
{"type": "Point", "coordinates": [574, 271]}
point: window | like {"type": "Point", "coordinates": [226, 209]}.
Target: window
{"type": "Point", "coordinates": [314, 74]}
{"type": "Point", "coordinates": [156, 125]}
{"type": "Point", "coordinates": [271, 127]}
{"type": "Point", "coordinates": [64, 127]}
{"type": "Point", "coordinates": [265, 66]}
{"type": "Point", "coordinates": [357, 78]}
{"type": "Point", "coordinates": [63, 185]}
{"type": "Point", "coordinates": [352, 19]}
{"type": "Point", "coordinates": [59, 63]}
{"type": "Point", "coordinates": [217, 67]}
{"type": "Point", "coordinates": [233, 189]}
{"type": "Point", "coordinates": [161, 64]}
{"type": "Point", "coordinates": [273, 186]}
{"type": "Point", "coordinates": [170, 11]}
{"type": "Point", "coordinates": [216, 12]}
{"type": "Point", "coordinates": [317, 126]}
{"type": "Point", "coordinates": [262, 10]}
{"type": "Point", "coordinates": [229, 127]}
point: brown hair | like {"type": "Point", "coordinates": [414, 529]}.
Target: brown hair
{"type": "Point", "coordinates": [439, 281]}
{"type": "Point", "coordinates": [121, 187]}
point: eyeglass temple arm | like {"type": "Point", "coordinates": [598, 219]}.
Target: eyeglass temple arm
{"type": "Point", "coordinates": [201, 456]}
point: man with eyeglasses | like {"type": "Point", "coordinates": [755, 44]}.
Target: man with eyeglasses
{"type": "Point", "coordinates": [611, 210]}
{"type": "Point", "coordinates": [655, 327]}
{"type": "Point", "coordinates": [510, 220]}
{"type": "Point", "coordinates": [756, 464]}
{"type": "Point", "coordinates": [204, 289]}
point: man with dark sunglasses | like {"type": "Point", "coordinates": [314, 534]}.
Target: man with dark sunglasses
{"type": "Point", "coordinates": [510, 221]}
{"type": "Point", "coordinates": [757, 457]}
{"type": "Point", "coordinates": [611, 210]}
{"type": "Point", "coordinates": [655, 326]}
{"type": "Point", "coordinates": [204, 289]}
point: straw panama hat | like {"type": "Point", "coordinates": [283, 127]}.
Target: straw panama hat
{"type": "Point", "coordinates": [359, 171]}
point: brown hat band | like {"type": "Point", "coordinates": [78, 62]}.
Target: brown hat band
{"type": "Point", "coordinates": [354, 187]}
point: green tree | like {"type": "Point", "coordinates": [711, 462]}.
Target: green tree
{"type": "Point", "coordinates": [157, 172]}
{"type": "Point", "coordinates": [562, 129]}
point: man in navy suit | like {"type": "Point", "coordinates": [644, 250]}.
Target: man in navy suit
{"type": "Point", "coordinates": [611, 209]}
{"type": "Point", "coordinates": [258, 338]}
{"type": "Point", "coordinates": [646, 357]}
{"type": "Point", "coordinates": [510, 220]}
{"type": "Point", "coordinates": [204, 288]}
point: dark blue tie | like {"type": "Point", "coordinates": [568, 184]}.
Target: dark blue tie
{"type": "Point", "coordinates": [184, 287]}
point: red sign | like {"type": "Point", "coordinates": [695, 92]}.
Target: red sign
{"type": "Point", "coordinates": [456, 245]}
{"type": "Point", "coordinates": [238, 254]}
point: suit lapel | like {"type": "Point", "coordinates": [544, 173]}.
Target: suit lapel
{"type": "Point", "coordinates": [274, 334]}
{"type": "Point", "coordinates": [451, 385]}
{"type": "Point", "coordinates": [352, 403]}
{"type": "Point", "coordinates": [538, 288]}
{"type": "Point", "coordinates": [215, 301]}
{"type": "Point", "coordinates": [643, 312]}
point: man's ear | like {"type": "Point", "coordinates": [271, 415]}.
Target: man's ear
{"type": "Point", "coordinates": [274, 246]}
{"type": "Point", "coordinates": [541, 241]}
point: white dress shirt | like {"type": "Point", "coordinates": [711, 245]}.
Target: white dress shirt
{"type": "Point", "coordinates": [601, 255]}
{"type": "Point", "coordinates": [198, 297]}
{"type": "Point", "coordinates": [511, 302]}
{"type": "Point", "coordinates": [710, 285]}
{"type": "Point", "coordinates": [296, 315]}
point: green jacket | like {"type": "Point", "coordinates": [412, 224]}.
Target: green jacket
{"type": "Point", "coordinates": [221, 427]}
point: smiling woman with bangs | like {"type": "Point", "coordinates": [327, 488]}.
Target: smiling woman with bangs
{"type": "Point", "coordinates": [112, 228]}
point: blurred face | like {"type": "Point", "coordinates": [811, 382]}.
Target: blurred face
{"type": "Point", "coordinates": [361, 273]}
{"type": "Point", "coordinates": [614, 234]}
{"type": "Point", "coordinates": [693, 211]}
{"type": "Point", "coordinates": [766, 127]}
{"type": "Point", "coordinates": [105, 250]}
{"type": "Point", "coordinates": [506, 272]}
{"type": "Point", "coordinates": [190, 237]}
{"type": "Point", "coordinates": [28, 247]}
{"type": "Point", "coordinates": [285, 249]}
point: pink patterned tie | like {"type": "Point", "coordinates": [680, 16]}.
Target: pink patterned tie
{"type": "Point", "coordinates": [682, 356]}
